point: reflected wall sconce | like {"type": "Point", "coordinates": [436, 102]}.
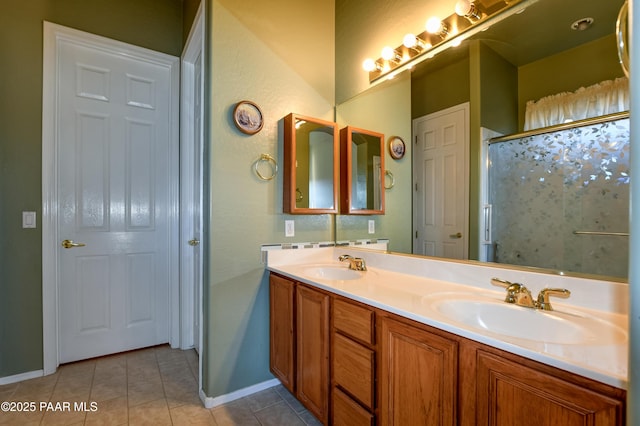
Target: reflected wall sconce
{"type": "Point", "coordinates": [435, 26]}
{"type": "Point", "coordinates": [410, 41]}
{"type": "Point", "coordinates": [468, 9]}
{"type": "Point", "coordinates": [470, 17]}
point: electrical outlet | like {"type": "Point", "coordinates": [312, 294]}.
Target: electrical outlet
{"type": "Point", "coordinates": [289, 228]}
{"type": "Point", "coordinates": [372, 226]}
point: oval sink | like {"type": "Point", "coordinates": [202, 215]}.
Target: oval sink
{"type": "Point", "coordinates": [524, 323]}
{"type": "Point", "coordinates": [334, 273]}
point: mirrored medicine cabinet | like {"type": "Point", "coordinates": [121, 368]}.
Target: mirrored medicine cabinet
{"type": "Point", "coordinates": [311, 168]}
{"type": "Point", "coordinates": [361, 171]}
{"type": "Point", "coordinates": [314, 174]}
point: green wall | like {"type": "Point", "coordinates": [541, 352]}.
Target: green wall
{"type": "Point", "coordinates": [244, 211]}
{"type": "Point", "coordinates": [498, 92]}
{"type": "Point", "coordinates": [155, 24]}
{"type": "Point", "coordinates": [440, 87]}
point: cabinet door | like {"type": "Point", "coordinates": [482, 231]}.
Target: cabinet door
{"type": "Point", "coordinates": [511, 394]}
{"type": "Point", "coordinates": [312, 322]}
{"type": "Point", "coordinates": [281, 321]}
{"type": "Point", "coordinates": [418, 376]}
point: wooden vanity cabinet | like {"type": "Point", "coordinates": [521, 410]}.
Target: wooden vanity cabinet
{"type": "Point", "coordinates": [417, 375]}
{"type": "Point", "coordinates": [352, 364]}
{"type": "Point", "coordinates": [299, 342]}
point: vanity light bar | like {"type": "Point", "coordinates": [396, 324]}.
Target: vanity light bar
{"type": "Point", "coordinates": [452, 30]}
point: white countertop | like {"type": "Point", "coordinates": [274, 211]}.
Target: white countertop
{"type": "Point", "coordinates": [412, 286]}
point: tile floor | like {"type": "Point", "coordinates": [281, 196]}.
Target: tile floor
{"type": "Point", "coordinates": [153, 386]}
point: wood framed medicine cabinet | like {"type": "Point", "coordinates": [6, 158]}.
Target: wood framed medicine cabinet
{"type": "Point", "coordinates": [362, 171]}
{"type": "Point", "coordinates": [311, 166]}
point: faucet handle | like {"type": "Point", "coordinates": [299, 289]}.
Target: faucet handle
{"type": "Point", "coordinates": [543, 297]}
{"type": "Point", "coordinates": [500, 282]}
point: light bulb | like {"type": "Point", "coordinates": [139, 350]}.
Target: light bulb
{"type": "Point", "coordinates": [463, 7]}
{"type": "Point", "coordinates": [456, 42]}
{"type": "Point", "coordinates": [388, 53]}
{"type": "Point", "coordinates": [409, 41]}
{"type": "Point", "coordinates": [434, 25]}
{"type": "Point", "coordinates": [369, 65]}
{"type": "Point", "coordinates": [467, 9]}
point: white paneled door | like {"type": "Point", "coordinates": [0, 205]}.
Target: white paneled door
{"type": "Point", "coordinates": [115, 199]}
{"type": "Point", "coordinates": [441, 183]}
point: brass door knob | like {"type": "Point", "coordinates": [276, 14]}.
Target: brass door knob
{"type": "Point", "coordinates": [70, 244]}
{"type": "Point", "coordinates": [194, 242]}
{"type": "Point", "coordinates": [458, 235]}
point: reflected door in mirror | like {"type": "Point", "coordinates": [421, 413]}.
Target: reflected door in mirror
{"type": "Point", "coordinates": [362, 171]}
{"type": "Point", "coordinates": [310, 165]}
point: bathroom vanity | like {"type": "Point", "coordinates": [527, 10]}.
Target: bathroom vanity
{"type": "Point", "coordinates": [426, 341]}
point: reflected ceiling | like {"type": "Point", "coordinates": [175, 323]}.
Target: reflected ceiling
{"type": "Point", "coordinates": [519, 41]}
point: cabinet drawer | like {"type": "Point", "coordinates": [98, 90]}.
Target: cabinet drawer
{"type": "Point", "coordinates": [347, 412]}
{"type": "Point", "coordinates": [353, 369]}
{"type": "Point", "coordinates": [353, 320]}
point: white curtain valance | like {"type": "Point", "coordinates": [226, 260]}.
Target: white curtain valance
{"type": "Point", "coordinates": [604, 98]}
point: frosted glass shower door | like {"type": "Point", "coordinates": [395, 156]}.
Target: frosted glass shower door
{"type": "Point", "coordinates": [560, 200]}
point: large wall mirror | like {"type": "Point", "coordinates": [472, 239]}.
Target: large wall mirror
{"type": "Point", "coordinates": [310, 165]}
{"type": "Point", "coordinates": [524, 57]}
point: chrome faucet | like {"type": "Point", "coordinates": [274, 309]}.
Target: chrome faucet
{"type": "Point", "coordinates": [355, 263]}
{"type": "Point", "coordinates": [520, 295]}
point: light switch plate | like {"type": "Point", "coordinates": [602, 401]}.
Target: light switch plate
{"type": "Point", "coordinates": [28, 219]}
{"type": "Point", "coordinates": [289, 228]}
{"type": "Point", "coordinates": [372, 226]}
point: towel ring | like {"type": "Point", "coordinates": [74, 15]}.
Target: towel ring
{"type": "Point", "coordinates": [272, 162]}
{"type": "Point", "coordinates": [393, 180]}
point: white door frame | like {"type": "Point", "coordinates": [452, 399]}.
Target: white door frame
{"type": "Point", "coordinates": [52, 33]}
{"type": "Point", "coordinates": [191, 196]}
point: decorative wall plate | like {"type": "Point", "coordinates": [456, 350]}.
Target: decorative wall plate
{"type": "Point", "coordinates": [396, 147]}
{"type": "Point", "coordinates": [248, 117]}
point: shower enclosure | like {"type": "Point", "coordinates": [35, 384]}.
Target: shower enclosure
{"type": "Point", "coordinates": [560, 199]}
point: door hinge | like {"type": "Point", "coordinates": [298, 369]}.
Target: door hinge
{"type": "Point", "coordinates": [416, 234]}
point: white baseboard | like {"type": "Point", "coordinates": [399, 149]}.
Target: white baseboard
{"type": "Point", "coordinates": [223, 399]}
{"type": "Point", "coordinates": [20, 377]}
